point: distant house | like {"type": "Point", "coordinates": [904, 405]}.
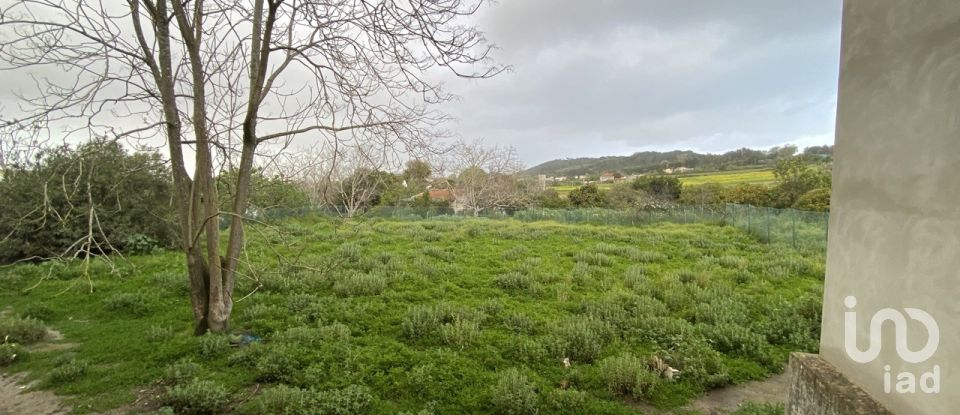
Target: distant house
{"type": "Point", "coordinates": [440, 195]}
{"type": "Point", "coordinates": [607, 176]}
{"type": "Point", "coordinates": [678, 170]}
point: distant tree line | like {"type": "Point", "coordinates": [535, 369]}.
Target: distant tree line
{"type": "Point", "coordinates": [802, 182]}
{"type": "Point", "coordinates": [653, 161]}
{"type": "Point", "coordinates": [100, 198]}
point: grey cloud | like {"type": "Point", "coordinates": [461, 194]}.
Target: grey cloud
{"type": "Point", "coordinates": [617, 76]}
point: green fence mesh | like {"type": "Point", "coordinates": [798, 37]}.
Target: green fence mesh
{"type": "Point", "coordinates": [799, 229]}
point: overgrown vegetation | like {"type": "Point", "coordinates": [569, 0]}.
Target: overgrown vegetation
{"type": "Point", "coordinates": [96, 198]}
{"type": "Point", "coordinates": [432, 316]}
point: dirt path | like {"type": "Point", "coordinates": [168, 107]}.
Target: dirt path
{"type": "Point", "coordinates": [17, 399]}
{"type": "Point", "coordinates": [726, 400]}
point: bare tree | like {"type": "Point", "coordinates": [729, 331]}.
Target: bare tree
{"type": "Point", "coordinates": [222, 80]}
{"type": "Point", "coordinates": [486, 177]}
{"type": "Point", "coordinates": [355, 182]}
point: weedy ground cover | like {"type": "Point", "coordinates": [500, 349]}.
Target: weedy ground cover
{"type": "Point", "coordinates": [430, 316]}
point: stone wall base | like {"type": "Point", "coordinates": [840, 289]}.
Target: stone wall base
{"type": "Point", "coordinates": [816, 387]}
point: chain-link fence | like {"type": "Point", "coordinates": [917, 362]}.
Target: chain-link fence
{"type": "Point", "coordinates": [797, 228]}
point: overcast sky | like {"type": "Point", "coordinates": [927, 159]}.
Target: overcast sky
{"type": "Point", "coordinates": [612, 77]}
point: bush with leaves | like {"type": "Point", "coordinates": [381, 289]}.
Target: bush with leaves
{"type": "Point", "coordinates": [283, 400]}
{"type": "Point", "coordinates": [9, 353]}
{"type": "Point", "coordinates": [660, 187]}
{"type": "Point", "coordinates": [587, 196]}
{"type": "Point", "coordinates": [47, 205]}
{"type": "Point", "coordinates": [514, 394]}
{"type": "Point", "coordinates": [22, 330]}
{"type": "Point", "coordinates": [816, 200]}
{"type": "Point", "coordinates": [197, 397]}
{"type": "Point", "coordinates": [626, 375]}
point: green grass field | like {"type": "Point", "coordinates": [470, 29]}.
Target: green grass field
{"type": "Point", "coordinates": [430, 317]}
{"type": "Point", "coordinates": [761, 177]}
{"type": "Point", "coordinates": [730, 178]}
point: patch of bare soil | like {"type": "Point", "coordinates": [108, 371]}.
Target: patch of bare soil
{"type": "Point", "coordinates": [17, 398]}
{"type": "Point", "coordinates": [726, 400]}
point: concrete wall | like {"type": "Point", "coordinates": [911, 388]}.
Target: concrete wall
{"type": "Point", "coordinates": [895, 220]}
{"type": "Point", "coordinates": [817, 387]}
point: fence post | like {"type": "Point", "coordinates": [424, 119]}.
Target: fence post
{"type": "Point", "coordinates": [768, 224]}
{"type": "Point", "coordinates": [793, 215]}
{"type": "Point", "coordinates": [826, 227]}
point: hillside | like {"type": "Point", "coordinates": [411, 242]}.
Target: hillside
{"type": "Point", "coordinates": [649, 161]}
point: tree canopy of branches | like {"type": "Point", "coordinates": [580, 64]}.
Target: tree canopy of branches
{"type": "Point", "coordinates": [487, 178]}
{"type": "Point", "coordinates": [225, 80]}
{"type": "Point", "coordinates": [93, 199]}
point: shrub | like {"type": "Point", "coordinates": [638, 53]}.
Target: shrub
{"type": "Point", "coordinates": [815, 200]}
{"type": "Point", "coordinates": [644, 306]}
{"type": "Point", "coordinates": [730, 261]}
{"type": "Point", "coordinates": [247, 356]}
{"type": "Point", "coordinates": [698, 363]}
{"type": "Point", "coordinates": [276, 363]}
{"type": "Point", "coordinates": [607, 310]}
{"type": "Point", "coordinates": [134, 304]}
{"type": "Point", "coordinates": [532, 266]}
{"type": "Point", "coordinates": [514, 394]}
{"type": "Point", "coordinates": [139, 243]}
{"type": "Point", "coordinates": [439, 253]}
{"type": "Point", "coordinates": [460, 333]}
{"type": "Point", "coordinates": [515, 253]}
{"type": "Point", "coordinates": [686, 276]}
{"type": "Point", "coordinates": [647, 256]}
{"type": "Point", "coordinates": [628, 252]}
{"type": "Point", "coordinates": [22, 330]}
{"type": "Point", "coordinates": [734, 339]}
{"type": "Point", "coordinates": [565, 401]}
{"type": "Point", "coordinates": [283, 400]}
{"type": "Point", "coordinates": [587, 196]}
{"type": "Point", "coordinates": [359, 284]}
{"type": "Point", "coordinates": [626, 375]}
{"type": "Point", "coordinates": [197, 397]}
{"type": "Point", "coordinates": [68, 371]}
{"type": "Point", "coordinates": [180, 372]}
{"type": "Point", "coordinates": [580, 339]}
{"type": "Point", "coordinates": [516, 281]}
{"type": "Point", "coordinates": [297, 303]}
{"type": "Point", "coordinates": [9, 353]}
{"type": "Point", "coordinates": [666, 331]}
{"type": "Point", "coordinates": [636, 279]}
{"type": "Point", "coordinates": [527, 350]}
{"type": "Point", "coordinates": [213, 345]}
{"type": "Point", "coordinates": [143, 190]}
{"type": "Point", "coordinates": [581, 273]}
{"type": "Point", "coordinates": [349, 252]}
{"type": "Point", "coordinates": [594, 258]}
{"type": "Point", "coordinates": [422, 321]}
{"type": "Point", "coordinates": [352, 400]}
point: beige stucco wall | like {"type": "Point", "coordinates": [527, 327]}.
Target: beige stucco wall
{"type": "Point", "coordinates": [895, 222]}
